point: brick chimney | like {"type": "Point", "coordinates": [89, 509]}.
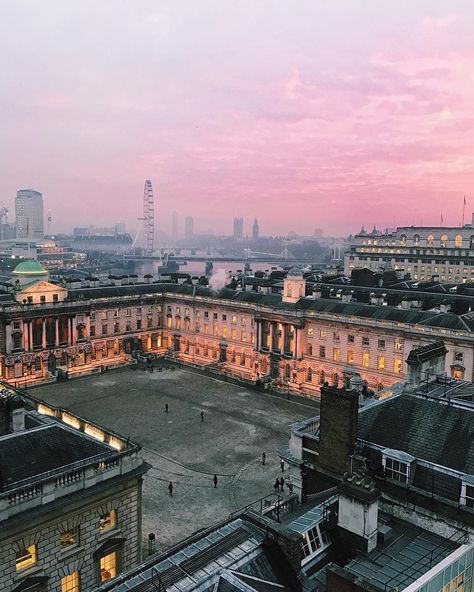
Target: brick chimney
{"type": "Point", "coordinates": [338, 428]}
{"type": "Point", "coordinates": [12, 413]}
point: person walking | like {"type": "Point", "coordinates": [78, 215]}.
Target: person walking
{"type": "Point", "coordinates": [264, 456]}
{"type": "Point", "coordinates": [166, 407]}
{"type": "Point", "coordinates": [276, 485]}
{"type": "Point", "coordinates": [202, 416]}
{"type": "Point", "coordinates": [282, 483]}
{"type": "Point", "coordinates": [215, 481]}
{"type": "Point", "coordinates": [170, 489]}
{"type": "Point", "coordinates": [282, 465]}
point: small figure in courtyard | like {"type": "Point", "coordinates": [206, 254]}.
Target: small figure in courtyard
{"type": "Point", "coordinates": [264, 456]}
{"type": "Point", "coordinates": [290, 487]}
{"type": "Point", "coordinates": [282, 465]}
{"type": "Point", "coordinates": [276, 485]}
{"type": "Point", "coordinates": [282, 483]}
{"type": "Point", "coordinates": [166, 407]}
{"type": "Point", "coordinates": [215, 481]}
{"type": "Point", "coordinates": [170, 489]}
{"type": "Point", "coordinates": [202, 415]}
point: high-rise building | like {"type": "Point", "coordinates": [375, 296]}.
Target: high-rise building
{"type": "Point", "coordinates": [29, 214]}
{"type": "Point", "coordinates": [189, 227]}
{"type": "Point", "coordinates": [255, 230]}
{"type": "Point", "coordinates": [175, 226]}
{"type": "Point", "coordinates": [238, 227]}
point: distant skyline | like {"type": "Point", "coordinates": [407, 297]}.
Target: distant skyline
{"type": "Point", "coordinates": [304, 115]}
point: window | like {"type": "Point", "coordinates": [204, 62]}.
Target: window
{"type": "Point", "coordinates": [108, 566]}
{"type": "Point", "coordinates": [310, 331]}
{"type": "Point", "coordinates": [309, 375]}
{"type": "Point", "coordinates": [92, 316]}
{"type": "Point", "coordinates": [469, 496]}
{"type": "Point", "coordinates": [108, 521]}
{"type": "Point", "coordinates": [398, 346]}
{"type": "Point", "coordinates": [69, 538]}
{"type": "Point", "coordinates": [459, 356]}
{"type": "Point", "coordinates": [458, 241]}
{"type": "Point", "coordinates": [70, 583]}
{"type": "Point", "coordinates": [224, 317]}
{"type": "Point", "coordinates": [234, 334]}
{"type": "Point", "coordinates": [365, 359]}
{"type": "Point", "coordinates": [322, 377]}
{"type": "Point", "coordinates": [206, 314]}
{"type": "Point", "coordinates": [443, 241]}
{"type": "Point", "coordinates": [365, 341]}
{"type": "Point", "coordinates": [169, 320]}
{"type": "Point", "coordinates": [335, 336]}
{"type": "Point", "coordinates": [336, 354]}
{"type": "Point", "coordinates": [214, 316]}
{"type": "Point", "coordinates": [394, 469]}
{"type": "Point", "coordinates": [116, 313]}
{"type": "Point", "coordinates": [309, 349]}
{"type": "Point", "coordinates": [322, 333]}
{"type": "Point", "coordinates": [350, 356]}
{"type": "Point", "coordinates": [243, 336]}
{"type": "Point", "coordinates": [104, 329]}
{"type": "Point", "coordinates": [350, 339]}
{"type": "Point", "coordinates": [206, 328]}
{"type": "Point", "coordinates": [128, 326]}
{"type": "Point", "coordinates": [149, 322]}
{"type": "Point", "coordinates": [116, 327]}
{"type": "Point", "coordinates": [128, 312]}
{"type": "Point", "coordinates": [234, 318]}
{"type": "Point", "coordinates": [92, 331]}
{"type": "Point", "coordinates": [26, 557]}
{"type": "Point", "coordinates": [381, 362]}
{"type": "Point", "coordinates": [381, 344]}
{"type": "Point", "coordinates": [55, 298]}
{"type": "Point", "coordinates": [322, 351]}
{"type": "Point", "coordinates": [224, 332]}
{"type": "Point", "coordinates": [139, 323]}
{"type": "Point", "coordinates": [397, 365]}
{"type": "Point", "coordinates": [430, 240]}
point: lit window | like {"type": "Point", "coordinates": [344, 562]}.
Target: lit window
{"type": "Point", "coordinates": [243, 336]}
{"type": "Point", "coordinates": [398, 346]}
{"type": "Point", "coordinates": [26, 557]}
{"type": "Point", "coordinates": [381, 344]}
{"type": "Point", "coordinates": [365, 359]}
{"type": "Point", "coordinates": [394, 469]}
{"type": "Point", "coordinates": [322, 351]}
{"type": "Point", "coordinates": [350, 356]}
{"type": "Point", "coordinates": [224, 332]}
{"type": "Point", "coordinates": [234, 334]}
{"type": "Point", "coordinates": [70, 583]}
{"type": "Point", "coordinates": [336, 354]}
{"type": "Point", "coordinates": [108, 521]}
{"type": "Point", "coordinates": [397, 365]}
{"type": "Point", "coordinates": [108, 566]}
{"type": "Point", "coordinates": [69, 538]}
{"type": "Point", "coordinates": [381, 363]}
{"type": "Point", "coordinates": [458, 241]}
{"type": "Point", "coordinates": [322, 333]}
{"type": "Point", "coordinates": [310, 331]}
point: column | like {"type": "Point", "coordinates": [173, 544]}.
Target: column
{"type": "Point", "coordinates": [8, 341]}
{"type": "Point", "coordinates": [69, 331]}
{"type": "Point", "coordinates": [284, 337]}
{"type": "Point", "coordinates": [88, 327]}
{"type": "Point", "coordinates": [296, 343]}
{"type": "Point", "coordinates": [30, 333]}
{"type": "Point", "coordinates": [271, 336]}
{"type": "Point", "coordinates": [74, 329]}
{"type": "Point", "coordinates": [257, 335]}
{"type": "Point", "coordinates": [56, 332]}
{"type": "Point", "coordinates": [43, 334]}
{"type": "Point", "coordinates": [25, 336]}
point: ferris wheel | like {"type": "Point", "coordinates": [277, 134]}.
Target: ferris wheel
{"type": "Point", "coordinates": [147, 226]}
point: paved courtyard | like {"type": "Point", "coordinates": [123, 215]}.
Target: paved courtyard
{"type": "Point", "coordinates": [239, 424]}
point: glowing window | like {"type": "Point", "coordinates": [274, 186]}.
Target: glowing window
{"type": "Point", "coordinates": [430, 240]}
{"type": "Point", "coordinates": [458, 241]}
{"type": "Point", "coordinates": [108, 521]}
{"type": "Point", "coordinates": [365, 359]}
{"type": "Point", "coordinates": [108, 566]}
{"type": "Point", "coordinates": [69, 538]}
{"type": "Point", "coordinates": [397, 365]}
{"type": "Point", "coordinates": [26, 557]}
{"type": "Point", "coordinates": [443, 241]}
{"type": "Point", "coordinates": [381, 363]}
{"type": "Point", "coordinates": [70, 583]}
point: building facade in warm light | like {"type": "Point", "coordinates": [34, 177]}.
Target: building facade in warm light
{"type": "Point", "coordinates": [424, 252]}
{"type": "Point", "coordinates": [291, 342]}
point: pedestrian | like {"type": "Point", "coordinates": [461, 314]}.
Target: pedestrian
{"type": "Point", "coordinates": [166, 407]}
{"type": "Point", "coordinates": [202, 415]}
{"type": "Point", "coordinates": [282, 465]}
{"type": "Point", "coordinates": [276, 485]}
{"type": "Point", "coordinates": [264, 456]}
{"type": "Point", "coordinates": [290, 487]}
{"type": "Point", "coordinates": [215, 481]}
{"type": "Point", "coordinates": [170, 489]}
{"type": "Point", "coordinates": [282, 483]}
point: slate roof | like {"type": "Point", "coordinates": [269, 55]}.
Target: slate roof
{"type": "Point", "coordinates": [30, 453]}
{"type": "Point", "coordinates": [428, 429]}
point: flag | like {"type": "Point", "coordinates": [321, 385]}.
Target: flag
{"type": "Point", "coordinates": [464, 200]}
{"type": "Point", "coordinates": [441, 219]}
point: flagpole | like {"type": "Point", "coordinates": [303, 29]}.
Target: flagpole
{"type": "Point", "coordinates": [463, 210]}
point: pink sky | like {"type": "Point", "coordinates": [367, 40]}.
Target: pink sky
{"type": "Point", "coordinates": [305, 113]}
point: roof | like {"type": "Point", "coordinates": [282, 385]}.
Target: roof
{"type": "Point", "coordinates": [32, 452]}
{"type": "Point", "coordinates": [428, 429]}
{"type": "Point", "coordinates": [29, 267]}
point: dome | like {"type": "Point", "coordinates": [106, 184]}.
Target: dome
{"type": "Point", "coordinates": [29, 268]}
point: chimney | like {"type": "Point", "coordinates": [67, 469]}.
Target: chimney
{"type": "Point", "coordinates": [338, 428]}
{"type": "Point", "coordinates": [425, 363]}
{"type": "Point", "coordinates": [12, 413]}
{"type": "Point", "coordinates": [357, 515]}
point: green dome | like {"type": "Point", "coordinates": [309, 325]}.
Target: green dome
{"type": "Point", "coordinates": [29, 267]}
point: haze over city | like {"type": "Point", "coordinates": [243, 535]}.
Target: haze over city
{"type": "Point", "coordinates": [305, 115]}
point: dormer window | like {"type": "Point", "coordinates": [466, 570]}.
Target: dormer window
{"type": "Point", "coordinates": [397, 465]}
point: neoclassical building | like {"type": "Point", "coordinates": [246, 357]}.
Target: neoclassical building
{"type": "Point", "coordinates": [425, 252]}
{"type": "Point", "coordinates": [292, 342]}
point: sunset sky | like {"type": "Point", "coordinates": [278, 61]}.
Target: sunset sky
{"type": "Point", "coordinates": [318, 113]}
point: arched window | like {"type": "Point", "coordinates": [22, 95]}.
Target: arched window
{"type": "Point", "coordinates": [403, 239]}
{"type": "Point", "coordinates": [443, 241]}
{"type": "Point", "coordinates": [458, 241]}
{"type": "Point", "coordinates": [430, 240]}
{"type": "Point", "coordinates": [38, 363]}
{"type": "Point", "coordinates": [309, 375]}
{"type": "Point", "coordinates": [416, 239]}
{"type": "Point", "coordinates": [322, 377]}
{"type": "Point", "coordinates": [287, 372]}
{"type": "Point", "coordinates": [335, 379]}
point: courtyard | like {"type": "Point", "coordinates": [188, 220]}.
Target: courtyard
{"type": "Point", "coordinates": [238, 425]}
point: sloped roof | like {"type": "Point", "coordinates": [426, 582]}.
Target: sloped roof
{"type": "Point", "coordinates": [428, 429]}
